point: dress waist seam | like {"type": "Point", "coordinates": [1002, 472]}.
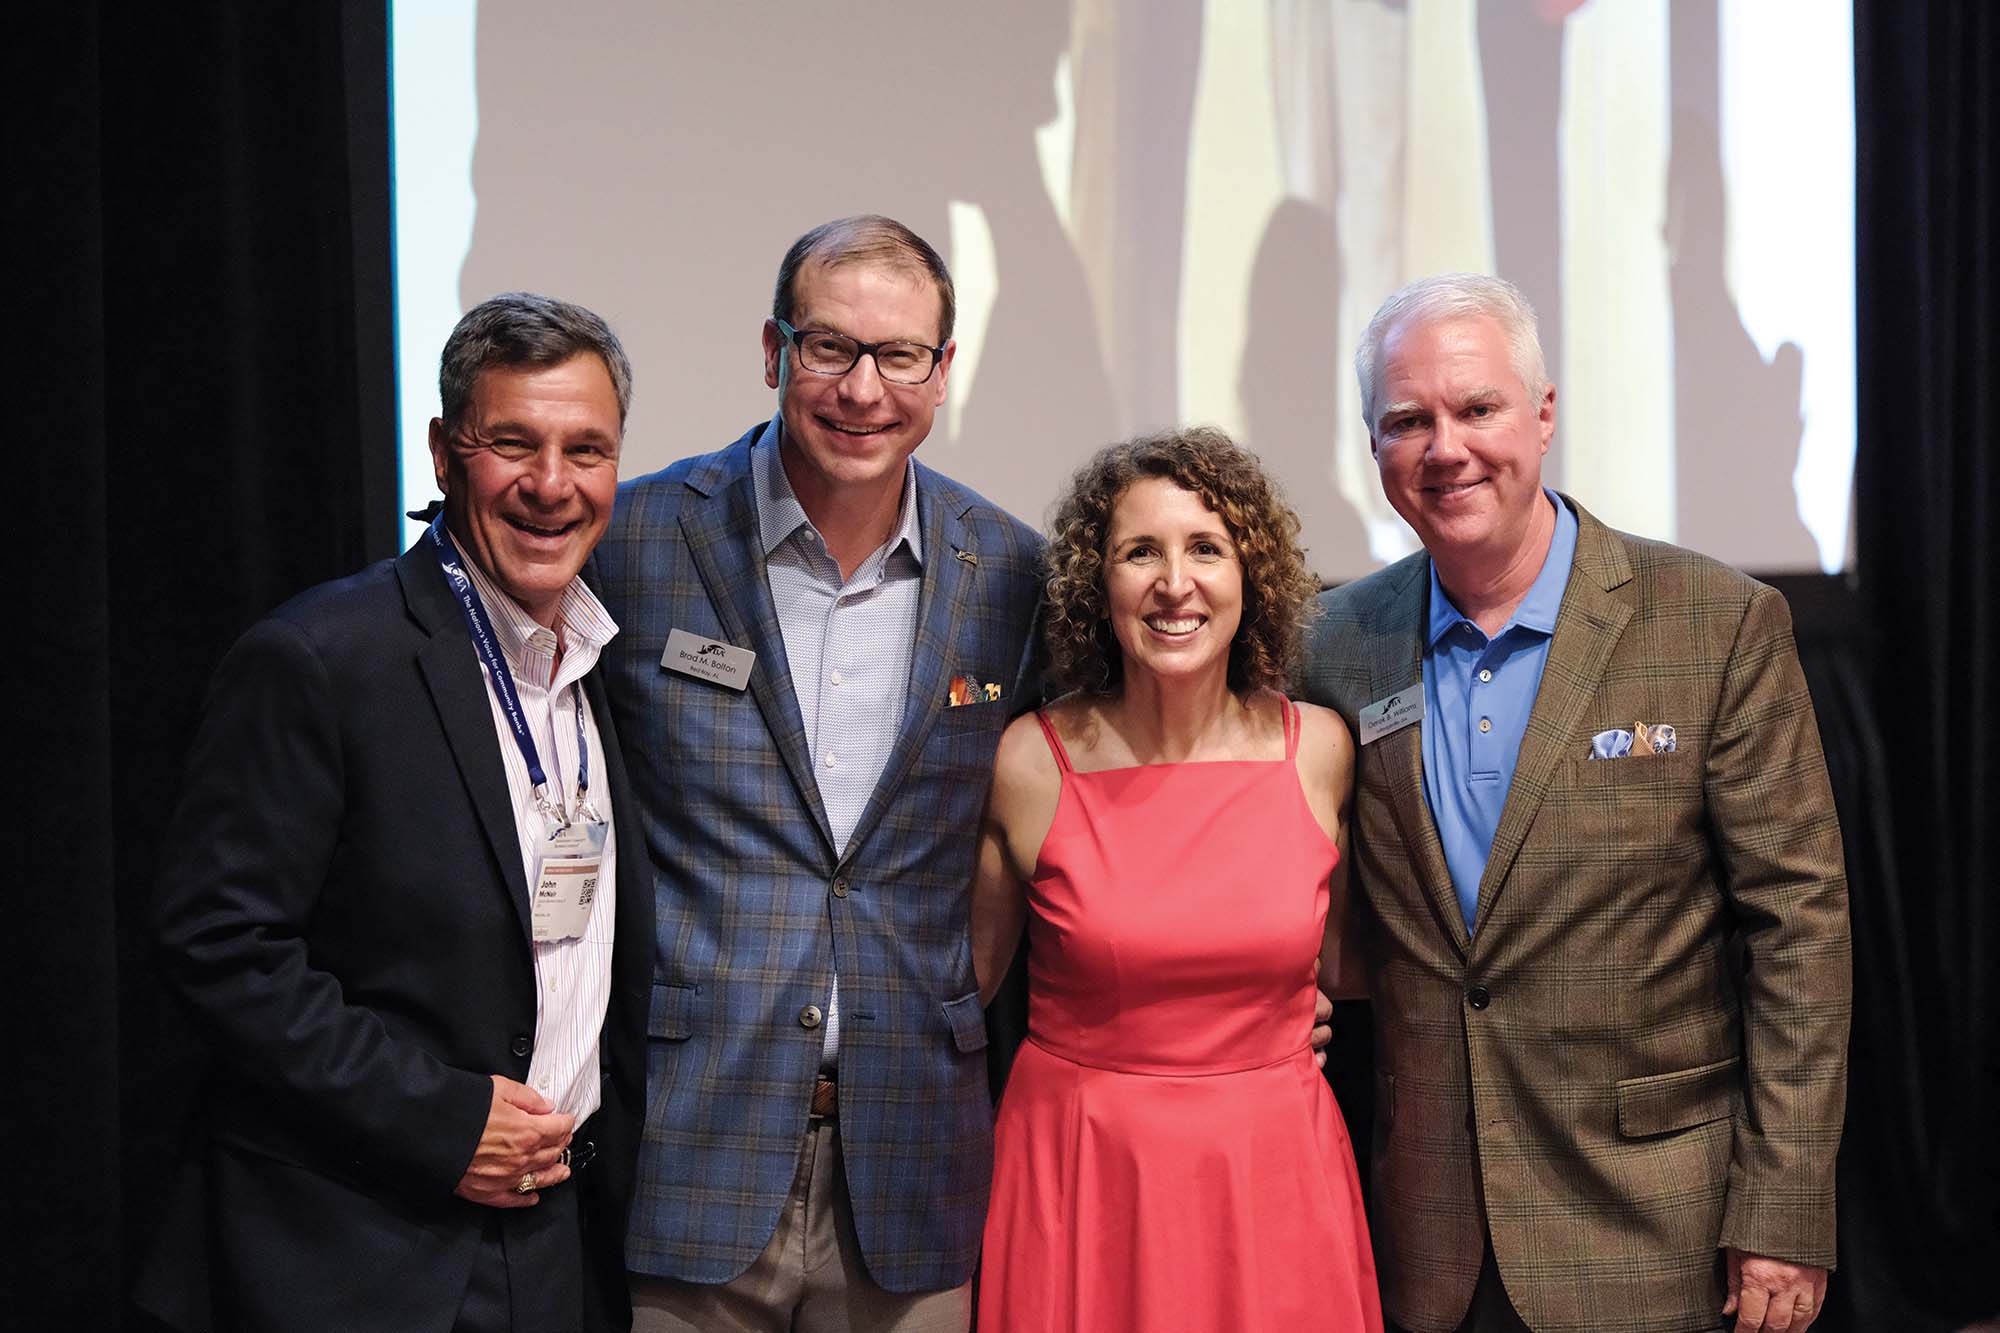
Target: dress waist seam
{"type": "Point", "coordinates": [1162, 1071]}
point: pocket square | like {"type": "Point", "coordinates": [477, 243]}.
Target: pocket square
{"type": "Point", "coordinates": [1657, 739]}
{"type": "Point", "coordinates": [968, 690]}
{"type": "Point", "coordinates": [1617, 743]}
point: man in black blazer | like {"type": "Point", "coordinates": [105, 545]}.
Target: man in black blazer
{"type": "Point", "coordinates": [395, 902]}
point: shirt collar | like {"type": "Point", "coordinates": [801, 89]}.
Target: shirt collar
{"type": "Point", "coordinates": [779, 513]}
{"type": "Point", "coordinates": [1537, 611]}
{"type": "Point", "coordinates": [586, 625]}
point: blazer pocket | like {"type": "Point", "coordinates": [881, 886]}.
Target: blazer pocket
{"type": "Point", "coordinates": [967, 1018]}
{"type": "Point", "coordinates": [672, 1015]}
{"type": "Point", "coordinates": [971, 717]}
{"type": "Point", "coordinates": [1636, 770]}
{"type": "Point", "coordinates": [1663, 1103]}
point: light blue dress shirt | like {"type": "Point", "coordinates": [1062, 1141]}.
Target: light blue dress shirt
{"type": "Point", "coordinates": [1478, 693]}
{"type": "Point", "coordinates": [849, 642]}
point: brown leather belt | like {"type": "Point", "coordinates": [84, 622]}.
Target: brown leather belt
{"type": "Point", "coordinates": [826, 1100]}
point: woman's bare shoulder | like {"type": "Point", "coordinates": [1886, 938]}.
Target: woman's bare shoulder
{"type": "Point", "coordinates": [1326, 750]}
{"type": "Point", "coordinates": [1321, 725]}
{"type": "Point", "coordinates": [1023, 748]}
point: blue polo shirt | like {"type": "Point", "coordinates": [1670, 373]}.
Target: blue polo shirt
{"type": "Point", "coordinates": [1478, 693]}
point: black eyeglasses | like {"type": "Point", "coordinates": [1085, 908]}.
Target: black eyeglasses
{"type": "Point", "coordinates": [825, 353]}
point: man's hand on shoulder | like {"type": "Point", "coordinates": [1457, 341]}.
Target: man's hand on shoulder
{"type": "Point", "coordinates": [1770, 1294]}
{"type": "Point", "coordinates": [524, 1135]}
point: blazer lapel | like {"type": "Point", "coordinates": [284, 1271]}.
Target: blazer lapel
{"type": "Point", "coordinates": [1396, 663]}
{"type": "Point", "coordinates": [948, 581]}
{"type": "Point", "coordinates": [722, 539]}
{"type": "Point", "coordinates": [1587, 629]}
{"type": "Point", "coordinates": [458, 692]}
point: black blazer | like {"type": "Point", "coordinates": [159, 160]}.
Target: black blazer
{"type": "Point", "coordinates": [342, 907]}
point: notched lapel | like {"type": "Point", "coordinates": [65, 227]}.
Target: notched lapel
{"type": "Point", "coordinates": [722, 539]}
{"type": "Point", "coordinates": [457, 687]}
{"type": "Point", "coordinates": [1587, 630]}
{"type": "Point", "coordinates": [1396, 662]}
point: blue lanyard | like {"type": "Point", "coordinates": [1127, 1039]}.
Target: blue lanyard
{"type": "Point", "coordinates": [481, 629]}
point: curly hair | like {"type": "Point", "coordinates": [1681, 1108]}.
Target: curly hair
{"type": "Point", "coordinates": [1278, 589]}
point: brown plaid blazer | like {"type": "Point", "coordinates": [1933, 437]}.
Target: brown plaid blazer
{"type": "Point", "coordinates": [1641, 1057]}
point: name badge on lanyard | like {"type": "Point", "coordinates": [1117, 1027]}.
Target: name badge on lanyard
{"type": "Point", "coordinates": [571, 851]}
{"type": "Point", "coordinates": [566, 869]}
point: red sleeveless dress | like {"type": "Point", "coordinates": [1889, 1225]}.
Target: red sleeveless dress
{"type": "Point", "coordinates": [1166, 1155]}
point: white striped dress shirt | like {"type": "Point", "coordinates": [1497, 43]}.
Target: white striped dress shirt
{"type": "Point", "coordinates": [849, 643]}
{"type": "Point", "coordinates": [572, 977]}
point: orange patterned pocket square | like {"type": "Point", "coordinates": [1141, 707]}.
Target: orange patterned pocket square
{"type": "Point", "coordinates": [968, 690]}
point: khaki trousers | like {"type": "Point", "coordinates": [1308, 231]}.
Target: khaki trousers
{"type": "Point", "coordinates": [810, 1277]}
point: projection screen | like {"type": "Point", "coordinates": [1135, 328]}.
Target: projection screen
{"type": "Point", "coordinates": [1164, 211]}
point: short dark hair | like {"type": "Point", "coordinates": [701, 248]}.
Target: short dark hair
{"type": "Point", "coordinates": [1278, 590]}
{"type": "Point", "coordinates": [868, 238]}
{"type": "Point", "coordinates": [525, 329]}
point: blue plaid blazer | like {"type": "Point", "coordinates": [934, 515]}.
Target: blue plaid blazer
{"type": "Point", "coordinates": [756, 905]}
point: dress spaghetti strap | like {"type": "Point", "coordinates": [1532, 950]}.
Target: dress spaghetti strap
{"type": "Point", "coordinates": [1292, 729]}
{"type": "Point", "coordinates": [1055, 742]}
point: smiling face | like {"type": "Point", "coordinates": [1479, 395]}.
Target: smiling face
{"type": "Point", "coordinates": [1458, 441]}
{"type": "Point", "coordinates": [529, 475]}
{"type": "Point", "coordinates": [1173, 581]}
{"type": "Point", "coordinates": [849, 434]}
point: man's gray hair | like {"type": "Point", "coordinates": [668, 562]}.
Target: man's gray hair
{"type": "Point", "coordinates": [1453, 296]}
{"type": "Point", "coordinates": [523, 329]}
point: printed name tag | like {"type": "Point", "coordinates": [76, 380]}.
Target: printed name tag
{"type": "Point", "coordinates": [1386, 716]}
{"type": "Point", "coordinates": [708, 659]}
{"type": "Point", "coordinates": [566, 872]}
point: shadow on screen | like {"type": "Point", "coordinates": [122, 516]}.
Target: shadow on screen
{"type": "Point", "coordinates": [1287, 381]}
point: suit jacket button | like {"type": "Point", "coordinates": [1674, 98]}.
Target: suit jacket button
{"type": "Point", "coordinates": [521, 1046]}
{"type": "Point", "coordinates": [810, 1016]}
{"type": "Point", "coordinates": [840, 887]}
{"type": "Point", "coordinates": [1478, 997]}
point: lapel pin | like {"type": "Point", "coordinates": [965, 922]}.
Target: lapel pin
{"type": "Point", "coordinates": [969, 558]}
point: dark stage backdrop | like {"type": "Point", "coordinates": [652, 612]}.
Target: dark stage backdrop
{"type": "Point", "coordinates": [201, 348]}
{"type": "Point", "coordinates": [196, 226]}
{"type": "Point", "coordinates": [1921, 1209]}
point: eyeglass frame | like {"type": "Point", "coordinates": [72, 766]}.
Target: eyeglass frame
{"type": "Point", "coordinates": [861, 349]}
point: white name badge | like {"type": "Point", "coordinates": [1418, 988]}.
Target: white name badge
{"type": "Point", "coordinates": [566, 870]}
{"type": "Point", "coordinates": [708, 659]}
{"type": "Point", "coordinates": [1387, 716]}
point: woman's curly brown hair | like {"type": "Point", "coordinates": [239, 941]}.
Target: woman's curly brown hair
{"type": "Point", "coordinates": [1278, 590]}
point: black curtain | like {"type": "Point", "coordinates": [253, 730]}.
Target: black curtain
{"type": "Point", "coordinates": [199, 338]}
{"type": "Point", "coordinates": [1920, 1204]}
{"type": "Point", "coordinates": [196, 224]}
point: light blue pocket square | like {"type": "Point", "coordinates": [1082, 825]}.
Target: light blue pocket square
{"type": "Point", "coordinates": [1613, 744]}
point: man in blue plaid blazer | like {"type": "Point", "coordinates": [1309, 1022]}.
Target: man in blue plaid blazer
{"type": "Point", "coordinates": [821, 643]}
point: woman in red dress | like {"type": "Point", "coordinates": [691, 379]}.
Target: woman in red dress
{"type": "Point", "coordinates": [1168, 1155]}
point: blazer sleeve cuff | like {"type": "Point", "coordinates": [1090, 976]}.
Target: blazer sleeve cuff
{"type": "Point", "coordinates": [1795, 1225]}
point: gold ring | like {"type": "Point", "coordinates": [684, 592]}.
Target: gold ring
{"type": "Point", "coordinates": [526, 1184]}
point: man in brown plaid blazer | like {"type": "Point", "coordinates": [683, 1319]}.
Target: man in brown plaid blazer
{"type": "Point", "coordinates": [1602, 907]}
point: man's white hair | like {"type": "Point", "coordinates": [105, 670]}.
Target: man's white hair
{"type": "Point", "coordinates": [1452, 296]}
